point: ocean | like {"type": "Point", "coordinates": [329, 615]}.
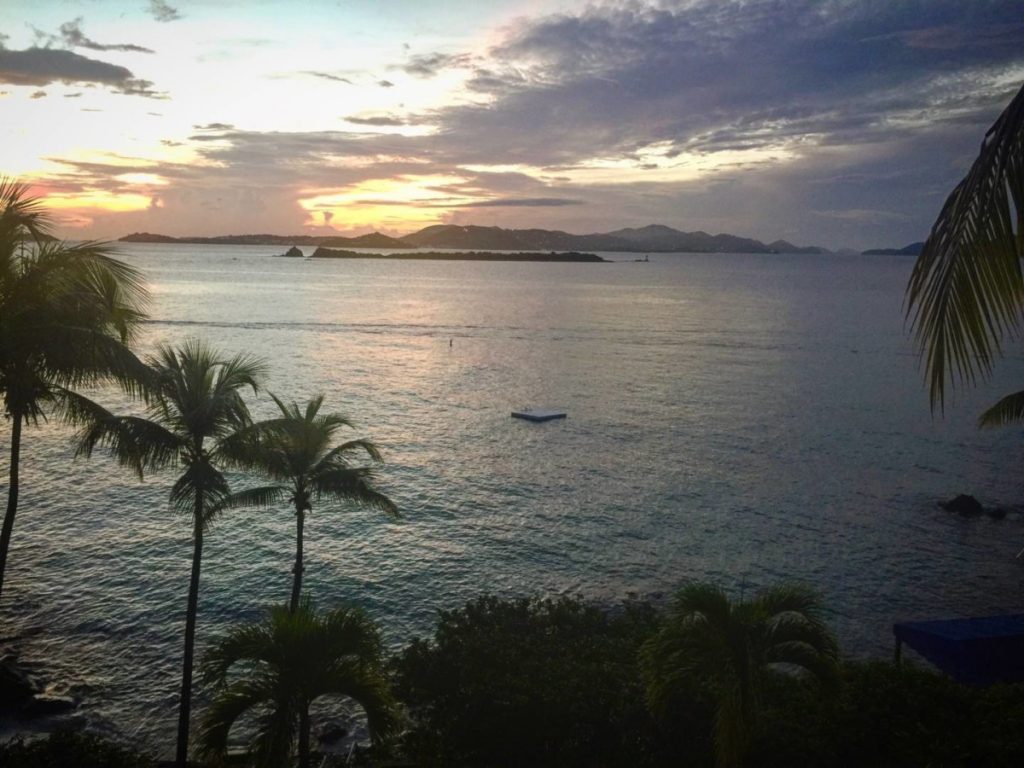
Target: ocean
{"type": "Point", "coordinates": [744, 419]}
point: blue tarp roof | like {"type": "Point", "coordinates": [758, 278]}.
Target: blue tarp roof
{"type": "Point", "coordinates": [979, 651]}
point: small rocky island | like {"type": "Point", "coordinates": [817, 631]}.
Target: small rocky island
{"type": "Point", "coordinates": [291, 253]}
{"type": "Point", "coordinates": [572, 256]}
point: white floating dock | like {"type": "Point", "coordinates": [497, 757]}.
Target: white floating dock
{"type": "Point", "coordinates": [539, 414]}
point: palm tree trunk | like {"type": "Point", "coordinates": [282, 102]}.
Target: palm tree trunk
{"type": "Point", "coordinates": [12, 496]}
{"type": "Point", "coordinates": [300, 521]}
{"type": "Point", "coordinates": [304, 735]}
{"type": "Point", "coordinates": [185, 709]}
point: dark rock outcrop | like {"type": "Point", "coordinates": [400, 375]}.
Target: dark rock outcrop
{"type": "Point", "coordinates": [291, 253]}
{"type": "Point", "coordinates": [964, 505]}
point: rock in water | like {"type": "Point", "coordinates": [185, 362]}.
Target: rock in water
{"type": "Point", "coordinates": [291, 253]}
{"type": "Point", "coordinates": [965, 505]}
{"type": "Point", "coordinates": [16, 687]}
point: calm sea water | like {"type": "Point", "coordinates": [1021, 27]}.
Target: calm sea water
{"type": "Point", "coordinates": [743, 419]}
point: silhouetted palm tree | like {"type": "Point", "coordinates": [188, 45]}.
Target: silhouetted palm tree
{"type": "Point", "coordinates": [66, 313]}
{"type": "Point", "coordinates": [298, 452]}
{"type": "Point", "coordinates": [195, 403]}
{"type": "Point", "coordinates": [285, 663]}
{"type": "Point", "coordinates": [966, 292]}
{"type": "Point", "coordinates": [711, 644]}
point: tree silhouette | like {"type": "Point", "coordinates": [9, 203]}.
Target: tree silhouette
{"type": "Point", "coordinates": [278, 667]}
{"type": "Point", "coordinates": [298, 451]}
{"type": "Point", "coordinates": [711, 644]}
{"type": "Point", "coordinates": [195, 404]}
{"type": "Point", "coordinates": [966, 292]}
{"type": "Point", "coordinates": [66, 315]}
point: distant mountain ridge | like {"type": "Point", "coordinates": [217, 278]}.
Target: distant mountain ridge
{"type": "Point", "coordinates": [914, 249]}
{"type": "Point", "coordinates": [373, 240]}
{"type": "Point", "coordinates": [654, 238]}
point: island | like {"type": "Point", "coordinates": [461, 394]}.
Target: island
{"type": "Point", "coordinates": [572, 256]}
{"type": "Point", "coordinates": [654, 238]}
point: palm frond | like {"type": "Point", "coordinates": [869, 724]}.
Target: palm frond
{"type": "Point", "coordinates": [966, 289]}
{"type": "Point", "coordinates": [222, 713]}
{"type": "Point", "coordinates": [134, 442]}
{"type": "Point", "coordinates": [367, 686]}
{"type": "Point", "coordinates": [262, 497]}
{"type": "Point", "coordinates": [1009, 410]}
{"type": "Point", "coordinates": [353, 485]}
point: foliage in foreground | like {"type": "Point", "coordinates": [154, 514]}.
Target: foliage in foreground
{"type": "Point", "coordinates": [730, 651]}
{"type": "Point", "coordinates": [966, 293]}
{"type": "Point", "coordinates": [528, 682]}
{"type": "Point", "coordinates": [277, 668]}
{"type": "Point", "coordinates": [65, 749]}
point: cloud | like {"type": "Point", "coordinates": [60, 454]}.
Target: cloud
{"type": "Point", "coordinates": [385, 84]}
{"type": "Point", "coordinates": [161, 11]}
{"type": "Point", "coordinates": [377, 120]}
{"type": "Point", "coordinates": [327, 76]}
{"type": "Point", "coordinates": [42, 66]}
{"type": "Point", "coordinates": [430, 64]}
{"type": "Point", "coordinates": [862, 214]}
{"type": "Point", "coordinates": [72, 35]}
{"type": "Point", "coordinates": [38, 95]}
{"type": "Point", "coordinates": [836, 123]}
{"type": "Point", "coordinates": [526, 202]}
{"type": "Point", "coordinates": [214, 127]}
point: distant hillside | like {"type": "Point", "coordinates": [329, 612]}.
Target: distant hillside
{"type": "Point", "coordinates": [327, 253]}
{"type": "Point", "coordinates": [373, 240]}
{"type": "Point", "coordinates": [655, 238]}
{"type": "Point", "coordinates": [914, 249]}
{"type": "Point", "coordinates": [784, 246]}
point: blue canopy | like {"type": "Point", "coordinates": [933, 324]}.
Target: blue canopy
{"type": "Point", "coordinates": [979, 651]}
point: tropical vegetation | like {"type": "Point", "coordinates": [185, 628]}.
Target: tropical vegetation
{"type": "Point", "coordinates": [966, 293]}
{"type": "Point", "coordinates": [277, 668]}
{"type": "Point", "coordinates": [299, 453]}
{"type": "Point", "coordinates": [195, 404]}
{"type": "Point", "coordinates": [66, 315]}
{"type": "Point", "coordinates": [729, 650]}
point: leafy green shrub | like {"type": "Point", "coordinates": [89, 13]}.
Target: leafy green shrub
{"type": "Point", "coordinates": [886, 717]}
{"type": "Point", "coordinates": [65, 749]}
{"type": "Point", "coordinates": [529, 682]}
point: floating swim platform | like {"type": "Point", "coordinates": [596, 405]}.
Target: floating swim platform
{"type": "Point", "coordinates": [539, 414]}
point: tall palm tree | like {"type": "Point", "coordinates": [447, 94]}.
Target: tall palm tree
{"type": "Point", "coordinates": [195, 404]}
{"type": "Point", "coordinates": [709, 643]}
{"type": "Point", "coordinates": [966, 293]}
{"type": "Point", "coordinates": [298, 452]}
{"type": "Point", "coordinates": [66, 315]}
{"type": "Point", "coordinates": [285, 663]}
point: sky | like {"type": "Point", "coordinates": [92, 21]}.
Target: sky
{"type": "Point", "coordinates": [842, 123]}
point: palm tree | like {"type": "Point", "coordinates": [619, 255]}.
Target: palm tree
{"type": "Point", "coordinates": [966, 292]}
{"type": "Point", "coordinates": [195, 404]}
{"type": "Point", "coordinates": [285, 663]}
{"type": "Point", "coordinates": [728, 649]}
{"type": "Point", "coordinates": [298, 452]}
{"type": "Point", "coordinates": [66, 315]}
